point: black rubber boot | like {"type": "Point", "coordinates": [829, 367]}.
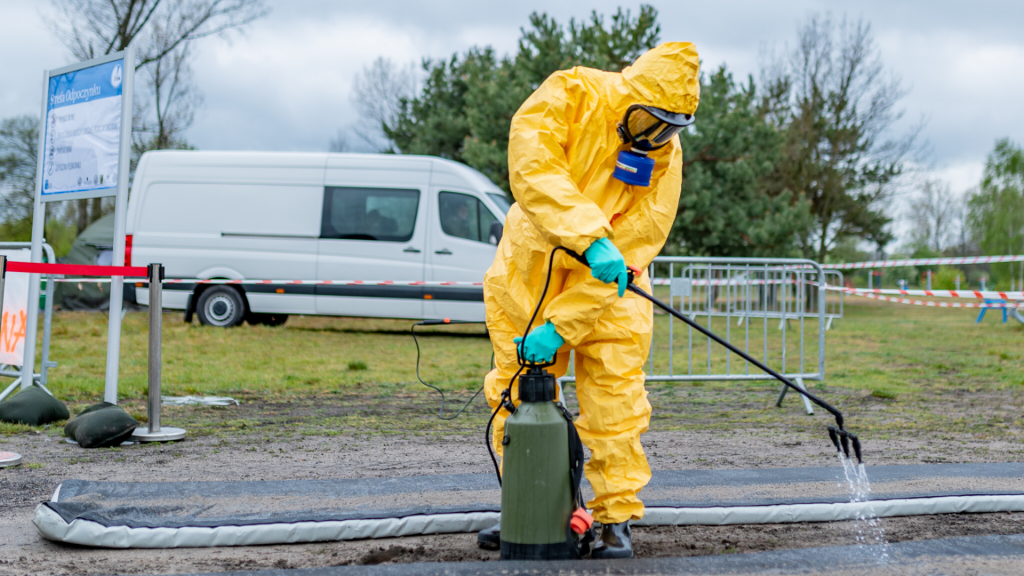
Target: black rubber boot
{"type": "Point", "coordinates": [616, 541]}
{"type": "Point", "coordinates": [490, 538]}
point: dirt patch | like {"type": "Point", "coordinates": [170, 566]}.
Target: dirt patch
{"type": "Point", "coordinates": [668, 541]}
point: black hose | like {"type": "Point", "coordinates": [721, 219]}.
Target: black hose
{"type": "Point", "coordinates": [440, 412]}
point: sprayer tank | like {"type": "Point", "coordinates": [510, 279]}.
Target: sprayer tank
{"type": "Point", "coordinates": [536, 498]}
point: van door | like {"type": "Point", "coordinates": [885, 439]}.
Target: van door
{"type": "Point", "coordinates": [372, 233]}
{"type": "Point", "coordinates": [460, 248]}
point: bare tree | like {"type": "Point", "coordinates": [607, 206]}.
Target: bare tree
{"type": "Point", "coordinates": [933, 212]}
{"type": "Point", "coordinates": [91, 28]}
{"type": "Point", "coordinates": [19, 138]}
{"type": "Point", "coordinates": [377, 93]}
{"type": "Point", "coordinates": [171, 111]}
{"type": "Point", "coordinates": [163, 32]}
{"type": "Point", "coordinates": [837, 104]}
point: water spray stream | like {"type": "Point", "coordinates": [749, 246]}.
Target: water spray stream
{"type": "Point", "coordinates": [870, 530]}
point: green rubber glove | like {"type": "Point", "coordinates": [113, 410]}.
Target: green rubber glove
{"type": "Point", "coordinates": [607, 264]}
{"type": "Point", "coordinates": [541, 344]}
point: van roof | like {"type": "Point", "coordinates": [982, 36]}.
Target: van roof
{"type": "Point", "coordinates": [156, 159]}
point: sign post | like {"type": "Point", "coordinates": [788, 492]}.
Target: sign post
{"type": "Point", "coordinates": [84, 147]}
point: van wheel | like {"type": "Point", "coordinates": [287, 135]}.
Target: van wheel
{"type": "Point", "coordinates": [220, 306]}
{"type": "Point", "coordinates": [267, 319]}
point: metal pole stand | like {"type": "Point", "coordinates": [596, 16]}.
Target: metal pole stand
{"type": "Point", "coordinates": [154, 432]}
{"type": "Point", "coordinates": [800, 384]}
{"type": "Point", "coordinates": [8, 459]}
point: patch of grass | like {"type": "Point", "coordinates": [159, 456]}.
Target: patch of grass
{"type": "Point", "coordinates": [34, 465]}
{"type": "Point", "coordinates": [298, 379]}
{"type": "Point", "coordinates": [7, 428]}
{"type": "Point", "coordinates": [883, 393]}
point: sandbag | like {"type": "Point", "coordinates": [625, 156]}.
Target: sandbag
{"type": "Point", "coordinates": [33, 406]}
{"type": "Point", "coordinates": [101, 426]}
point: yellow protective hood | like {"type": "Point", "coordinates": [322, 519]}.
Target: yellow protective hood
{"type": "Point", "coordinates": [665, 77]}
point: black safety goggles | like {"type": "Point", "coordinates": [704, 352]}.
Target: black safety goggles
{"type": "Point", "coordinates": [648, 128]}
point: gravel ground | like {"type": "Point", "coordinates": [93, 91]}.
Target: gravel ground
{"type": "Point", "coordinates": [49, 460]}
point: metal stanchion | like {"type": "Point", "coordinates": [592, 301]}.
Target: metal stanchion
{"type": "Point", "coordinates": [154, 432]}
{"type": "Point", "coordinates": [7, 459]}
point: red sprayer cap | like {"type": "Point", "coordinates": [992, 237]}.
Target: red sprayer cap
{"type": "Point", "coordinates": [581, 521]}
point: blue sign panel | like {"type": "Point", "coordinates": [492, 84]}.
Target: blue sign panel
{"type": "Point", "coordinates": [83, 130]}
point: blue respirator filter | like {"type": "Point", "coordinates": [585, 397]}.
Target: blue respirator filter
{"type": "Point", "coordinates": [633, 168]}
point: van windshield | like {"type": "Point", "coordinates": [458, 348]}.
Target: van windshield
{"type": "Point", "coordinates": [502, 201]}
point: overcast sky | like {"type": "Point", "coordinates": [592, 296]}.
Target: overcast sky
{"type": "Point", "coordinates": [285, 85]}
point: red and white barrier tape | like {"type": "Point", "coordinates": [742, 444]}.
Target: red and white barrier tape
{"type": "Point", "coordinates": [924, 262]}
{"type": "Point", "coordinates": [657, 282]}
{"type": "Point", "coordinates": [936, 304]}
{"type": "Point", "coordinates": [668, 282]}
{"type": "Point", "coordinates": [978, 294]}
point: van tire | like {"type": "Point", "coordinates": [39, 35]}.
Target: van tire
{"type": "Point", "coordinates": [221, 306]}
{"type": "Point", "coordinates": [256, 319]}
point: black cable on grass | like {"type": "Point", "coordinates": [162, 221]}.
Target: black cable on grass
{"type": "Point", "coordinates": [440, 412]}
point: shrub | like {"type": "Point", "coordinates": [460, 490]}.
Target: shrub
{"type": "Point", "coordinates": [945, 278]}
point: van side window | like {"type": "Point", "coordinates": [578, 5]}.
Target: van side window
{"type": "Point", "coordinates": [463, 216]}
{"type": "Point", "coordinates": [382, 214]}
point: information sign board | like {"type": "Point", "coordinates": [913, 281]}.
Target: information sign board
{"type": "Point", "coordinates": [83, 131]}
{"type": "Point", "coordinates": [84, 149]}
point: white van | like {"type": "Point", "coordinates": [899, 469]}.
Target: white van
{"type": "Point", "coordinates": [313, 216]}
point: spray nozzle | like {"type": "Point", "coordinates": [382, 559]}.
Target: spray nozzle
{"type": "Point", "coordinates": [833, 434]}
{"type": "Point", "coordinates": [842, 440]}
{"type": "Point", "coordinates": [856, 447]}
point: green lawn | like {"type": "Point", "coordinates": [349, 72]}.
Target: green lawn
{"type": "Point", "coordinates": [890, 367]}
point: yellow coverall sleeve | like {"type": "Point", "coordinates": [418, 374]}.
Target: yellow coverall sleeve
{"type": "Point", "coordinates": [539, 169]}
{"type": "Point", "coordinates": [639, 234]}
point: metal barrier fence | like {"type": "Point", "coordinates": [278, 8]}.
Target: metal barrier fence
{"type": "Point", "coordinates": [16, 371]}
{"type": "Point", "coordinates": [771, 308]}
{"type": "Point", "coordinates": [834, 307]}
{"type": "Point", "coordinates": [760, 294]}
{"type": "Point", "coordinates": [725, 279]}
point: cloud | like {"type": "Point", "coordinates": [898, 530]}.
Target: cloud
{"type": "Point", "coordinates": [285, 84]}
{"type": "Point", "coordinates": [28, 48]}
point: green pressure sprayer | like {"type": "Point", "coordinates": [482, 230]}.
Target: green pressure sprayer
{"type": "Point", "coordinates": [542, 513]}
{"type": "Point", "coordinates": [540, 490]}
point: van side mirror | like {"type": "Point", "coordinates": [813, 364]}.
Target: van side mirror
{"type": "Point", "coordinates": [495, 234]}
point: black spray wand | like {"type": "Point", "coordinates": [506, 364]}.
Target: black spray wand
{"type": "Point", "coordinates": [839, 436]}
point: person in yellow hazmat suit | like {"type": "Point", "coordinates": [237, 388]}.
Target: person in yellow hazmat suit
{"type": "Point", "coordinates": [573, 146]}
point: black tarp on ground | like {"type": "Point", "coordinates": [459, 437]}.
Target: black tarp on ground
{"type": "Point", "coordinates": [176, 504]}
{"type": "Point", "coordinates": [184, 514]}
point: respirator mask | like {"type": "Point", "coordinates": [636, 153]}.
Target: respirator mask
{"type": "Point", "coordinates": [645, 128]}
